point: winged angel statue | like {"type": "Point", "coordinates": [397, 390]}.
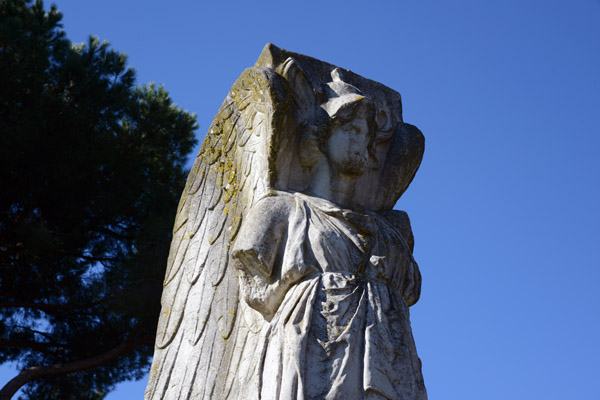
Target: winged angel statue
{"type": "Point", "coordinates": [290, 276]}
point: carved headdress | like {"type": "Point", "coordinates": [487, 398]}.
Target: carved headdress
{"type": "Point", "coordinates": [339, 94]}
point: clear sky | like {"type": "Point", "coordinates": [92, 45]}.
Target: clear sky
{"type": "Point", "coordinates": [505, 207]}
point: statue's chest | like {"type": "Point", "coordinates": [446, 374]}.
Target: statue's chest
{"type": "Point", "coordinates": [338, 245]}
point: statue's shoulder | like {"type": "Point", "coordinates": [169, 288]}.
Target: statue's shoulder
{"type": "Point", "coordinates": [275, 204]}
{"type": "Point", "coordinates": [401, 222]}
{"type": "Point", "coordinates": [397, 217]}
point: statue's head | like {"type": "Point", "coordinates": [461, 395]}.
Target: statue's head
{"type": "Point", "coordinates": [345, 131]}
{"type": "Point", "coordinates": [336, 116]}
{"type": "Point", "coordinates": [351, 132]}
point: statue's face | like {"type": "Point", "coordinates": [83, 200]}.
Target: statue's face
{"type": "Point", "coordinates": [347, 147]}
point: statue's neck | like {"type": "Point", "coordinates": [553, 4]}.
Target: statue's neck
{"type": "Point", "coordinates": [333, 185]}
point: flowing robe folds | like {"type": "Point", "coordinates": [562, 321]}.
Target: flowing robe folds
{"type": "Point", "coordinates": [333, 286]}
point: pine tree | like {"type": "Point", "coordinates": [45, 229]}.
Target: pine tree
{"type": "Point", "coordinates": [91, 170]}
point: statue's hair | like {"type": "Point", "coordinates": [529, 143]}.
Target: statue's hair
{"type": "Point", "coordinates": [314, 135]}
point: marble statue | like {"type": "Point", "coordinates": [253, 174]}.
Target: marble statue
{"type": "Point", "coordinates": [290, 276]}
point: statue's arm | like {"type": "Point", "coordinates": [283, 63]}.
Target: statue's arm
{"type": "Point", "coordinates": [411, 288]}
{"type": "Point", "coordinates": [258, 250]}
{"type": "Point", "coordinates": [259, 241]}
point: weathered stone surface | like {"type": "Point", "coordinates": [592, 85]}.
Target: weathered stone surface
{"type": "Point", "coordinates": [290, 276]}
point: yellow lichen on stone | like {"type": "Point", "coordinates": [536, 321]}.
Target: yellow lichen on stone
{"type": "Point", "coordinates": [235, 224]}
{"type": "Point", "coordinates": [230, 185]}
{"type": "Point", "coordinates": [213, 154]}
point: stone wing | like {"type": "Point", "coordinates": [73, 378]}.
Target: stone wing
{"type": "Point", "coordinates": [200, 295]}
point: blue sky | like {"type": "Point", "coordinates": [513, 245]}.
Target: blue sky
{"type": "Point", "coordinates": [505, 207]}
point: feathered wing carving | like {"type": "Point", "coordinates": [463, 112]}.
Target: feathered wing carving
{"type": "Point", "coordinates": [199, 331]}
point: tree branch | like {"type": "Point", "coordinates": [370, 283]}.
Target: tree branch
{"type": "Point", "coordinates": [92, 258]}
{"type": "Point", "coordinates": [112, 233]}
{"type": "Point", "coordinates": [34, 331]}
{"type": "Point", "coordinates": [32, 373]}
{"type": "Point", "coordinates": [52, 307]}
{"type": "Point", "coordinates": [38, 346]}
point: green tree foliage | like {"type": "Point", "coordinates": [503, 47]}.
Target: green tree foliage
{"type": "Point", "coordinates": [91, 170]}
